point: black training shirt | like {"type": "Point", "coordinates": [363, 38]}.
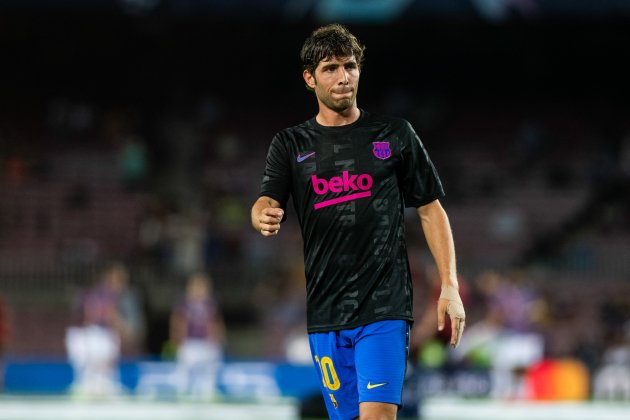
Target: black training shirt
{"type": "Point", "coordinates": [350, 185]}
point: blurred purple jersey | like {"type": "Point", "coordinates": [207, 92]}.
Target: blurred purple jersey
{"type": "Point", "coordinates": [200, 317]}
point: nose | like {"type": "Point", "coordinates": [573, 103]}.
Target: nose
{"type": "Point", "coordinates": [344, 76]}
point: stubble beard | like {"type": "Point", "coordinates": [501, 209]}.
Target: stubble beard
{"type": "Point", "coordinates": [338, 105]}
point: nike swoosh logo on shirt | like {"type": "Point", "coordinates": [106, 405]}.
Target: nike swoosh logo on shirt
{"type": "Point", "coordinates": [370, 386]}
{"type": "Point", "coordinates": [302, 158]}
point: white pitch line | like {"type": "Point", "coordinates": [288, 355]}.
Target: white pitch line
{"type": "Point", "coordinates": [517, 410]}
{"type": "Point", "coordinates": [142, 410]}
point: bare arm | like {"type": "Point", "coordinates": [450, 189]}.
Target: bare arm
{"type": "Point", "coordinates": [266, 216]}
{"type": "Point", "coordinates": [437, 231]}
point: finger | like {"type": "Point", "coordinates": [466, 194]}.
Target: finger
{"type": "Point", "coordinates": [269, 229]}
{"type": "Point", "coordinates": [276, 213]}
{"type": "Point", "coordinates": [271, 220]}
{"type": "Point", "coordinates": [454, 332]}
{"type": "Point", "coordinates": [458, 329]}
{"type": "Point", "coordinates": [269, 226]}
{"type": "Point", "coordinates": [269, 223]}
{"type": "Point", "coordinates": [441, 314]}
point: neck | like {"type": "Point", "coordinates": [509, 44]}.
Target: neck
{"type": "Point", "coordinates": [328, 117]}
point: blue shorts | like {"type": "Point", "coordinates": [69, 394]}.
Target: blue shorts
{"type": "Point", "coordinates": [362, 364]}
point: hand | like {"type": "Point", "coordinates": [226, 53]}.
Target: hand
{"type": "Point", "coordinates": [269, 221]}
{"type": "Point", "coordinates": [451, 303]}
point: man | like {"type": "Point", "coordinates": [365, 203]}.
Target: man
{"type": "Point", "coordinates": [198, 331]}
{"type": "Point", "coordinates": [351, 174]}
{"type": "Point", "coordinates": [112, 322]}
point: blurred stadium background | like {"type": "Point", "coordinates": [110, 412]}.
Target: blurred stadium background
{"type": "Point", "coordinates": [135, 131]}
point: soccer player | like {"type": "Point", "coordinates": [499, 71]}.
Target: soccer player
{"type": "Point", "coordinates": [198, 330]}
{"type": "Point", "coordinates": [351, 174]}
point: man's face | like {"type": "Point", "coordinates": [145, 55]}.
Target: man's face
{"type": "Point", "coordinates": [335, 82]}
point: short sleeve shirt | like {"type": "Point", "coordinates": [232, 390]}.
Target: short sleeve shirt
{"type": "Point", "coordinates": [350, 185]}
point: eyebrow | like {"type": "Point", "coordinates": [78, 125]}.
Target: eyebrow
{"type": "Point", "coordinates": [330, 66]}
{"type": "Point", "coordinates": [335, 65]}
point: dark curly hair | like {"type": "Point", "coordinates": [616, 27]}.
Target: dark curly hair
{"type": "Point", "coordinates": [330, 41]}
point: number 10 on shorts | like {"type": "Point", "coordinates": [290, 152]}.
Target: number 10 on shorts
{"type": "Point", "coordinates": [330, 379]}
{"type": "Point", "coordinates": [329, 375]}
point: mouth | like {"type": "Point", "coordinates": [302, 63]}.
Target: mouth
{"type": "Point", "coordinates": [344, 92]}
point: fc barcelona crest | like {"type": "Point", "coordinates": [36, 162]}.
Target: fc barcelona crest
{"type": "Point", "coordinates": [382, 150]}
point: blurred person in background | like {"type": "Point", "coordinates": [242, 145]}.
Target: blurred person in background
{"type": "Point", "coordinates": [351, 174]}
{"type": "Point", "coordinates": [134, 163]}
{"type": "Point", "coordinates": [112, 323]}
{"type": "Point", "coordinates": [198, 333]}
{"type": "Point", "coordinates": [506, 339]}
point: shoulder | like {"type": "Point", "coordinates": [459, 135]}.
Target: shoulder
{"type": "Point", "coordinates": [293, 132]}
{"type": "Point", "coordinates": [395, 123]}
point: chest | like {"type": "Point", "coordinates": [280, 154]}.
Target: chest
{"type": "Point", "coordinates": [344, 163]}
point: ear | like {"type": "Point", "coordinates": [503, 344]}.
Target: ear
{"type": "Point", "coordinates": [309, 79]}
